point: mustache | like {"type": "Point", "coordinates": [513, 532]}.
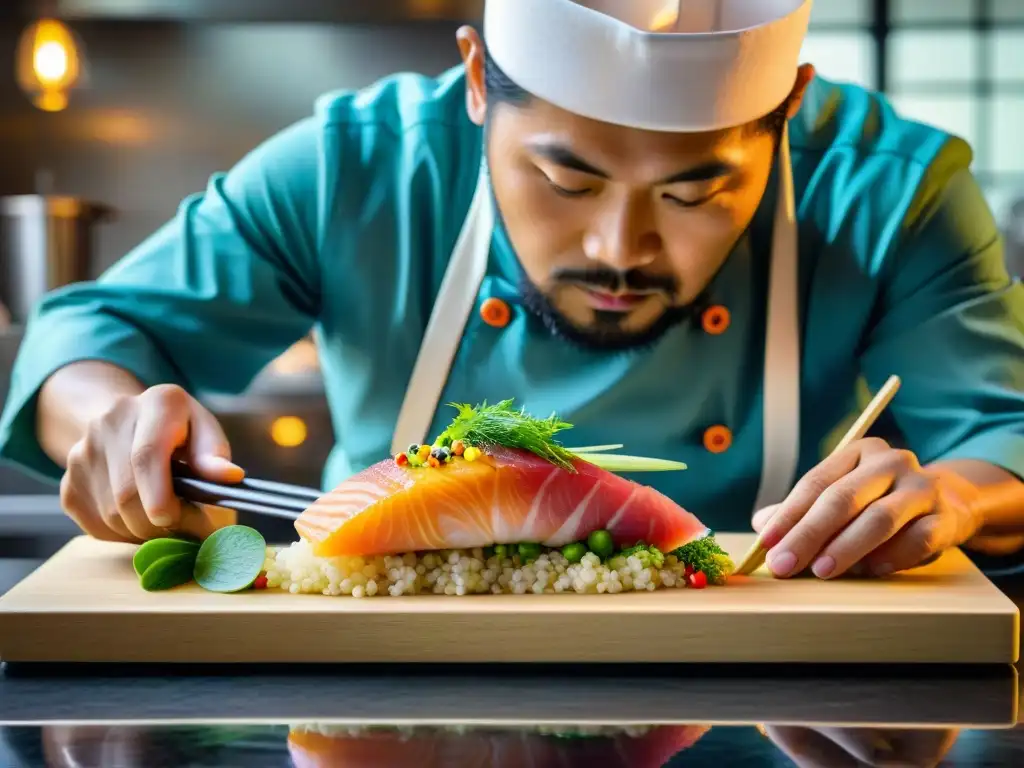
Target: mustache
{"type": "Point", "coordinates": [614, 281]}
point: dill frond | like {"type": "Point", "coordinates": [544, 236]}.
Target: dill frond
{"type": "Point", "coordinates": [503, 424]}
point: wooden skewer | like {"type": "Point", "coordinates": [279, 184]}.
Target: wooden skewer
{"type": "Point", "coordinates": [754, 558]}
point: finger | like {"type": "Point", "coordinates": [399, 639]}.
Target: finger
{"type": "Point", "coordinates": [161, 428]}
{"type": "Point", "coordinates": [879, 523]}
{"type": "Point", "coordinates": [209, 452]}
{"type": "Point", "coordinates": [81, 494]}
{"type": "Point", "coordinates": [996, 546]}
{"type": "Point", "coordinates": [925, 536]}
{"type": "Point", "coordinates": [812, 485]}
{"type": "Point", "coordinates": [762, 516]}
{"type": "Point", "coordinates": [85, 517]}
{"type": "Point", "coordinates": [125, 499]}
{"type": "Point", "coordinates": [833, 510]}
{"type": "Point", "coordinates": [199, 522]}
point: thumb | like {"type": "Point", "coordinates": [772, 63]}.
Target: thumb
{"type": "Point", "coordinates": [209, 453]}
{"type": "Point", "coordinates": [762, 516]}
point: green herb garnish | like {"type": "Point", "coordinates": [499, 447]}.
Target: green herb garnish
{"type": "Point", "coordinates": [169, 571]}
{"type": "Point", "coordinates": [156, 549]}
{"type": "Point", "coordinates": [705, 555]}
{"type": "Point", "coordinates": [502, 424]}
{"type": "Point", "coordinates": [230, 559]}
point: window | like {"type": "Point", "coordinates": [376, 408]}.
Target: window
{"type": "Point", "coordinates": [842, 56]}
{"type": "Point", "coordinates": [959, 64]}
{"type": "Point", "coordinates": [839, 42]}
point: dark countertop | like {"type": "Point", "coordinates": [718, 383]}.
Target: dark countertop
{"type": "Point", "coordinates": [362, 717]}
{"type": "Point", "coordinates": [356, 717]}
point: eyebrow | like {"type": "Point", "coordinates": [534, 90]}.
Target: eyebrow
{"type": "Point", "coordinates": [563, 156]}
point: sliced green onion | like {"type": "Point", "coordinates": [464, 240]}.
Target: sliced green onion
{"type": "Point", "coordinates": [594, 449]}
{"type": "Point", "coordinates": [620, 463]}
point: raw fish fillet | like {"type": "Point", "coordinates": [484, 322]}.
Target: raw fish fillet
{"type": "Point", "coordinates": [495, 748]}
{"type": "Point", "coordinates": [506, 496]}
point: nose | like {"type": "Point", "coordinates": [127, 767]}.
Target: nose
{"type": "Point", "coordinates": [624, 235]}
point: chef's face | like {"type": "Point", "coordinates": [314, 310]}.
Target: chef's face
{"type": "Point", "coordinates": [618, 230]}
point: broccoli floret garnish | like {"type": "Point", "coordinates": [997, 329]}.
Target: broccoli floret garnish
{"type": "Point", "coordinates": [705, 555]}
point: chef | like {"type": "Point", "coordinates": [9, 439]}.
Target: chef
{"type": "Point", "coordinates": [645, 216]}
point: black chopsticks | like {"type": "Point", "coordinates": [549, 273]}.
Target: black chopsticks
{"type": "Point", "coordinates": [257, 496]}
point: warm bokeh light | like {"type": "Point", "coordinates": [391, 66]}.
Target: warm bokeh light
{"type": "Point", "coordinates": [288, 431]}
{"type": "Point", "coordinates": [48, 64]}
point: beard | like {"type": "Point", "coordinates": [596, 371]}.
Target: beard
{"type": "Point", "coordinates": [606, 334]}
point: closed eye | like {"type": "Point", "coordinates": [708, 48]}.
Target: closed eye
{"type": "Point", "coordinates": [564, 192]}
{"type": "Point", "coordinates": [687, 203]}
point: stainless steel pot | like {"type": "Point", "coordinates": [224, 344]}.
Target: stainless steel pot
{"type": "Point", "coordinates": [45, 243]}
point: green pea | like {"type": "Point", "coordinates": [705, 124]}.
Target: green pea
{"type": "Point", "coordinates": [601, 544]}
{"type": "Point", "coordinates": [529, 551]}
{"type": "Point", "coordinates": [501, 550]}
{"type": "Point", "coordinates": [574, 552]}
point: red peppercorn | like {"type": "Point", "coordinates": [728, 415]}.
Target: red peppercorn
{"type": "Point", "coordinates": [432, 461]}
{"type": "Point", "coordinates": [689, 570]}
{"type": "Point", "coordinates": [402, 460]}
{"type": "Point", "coordinates": [261, 582]}
{"type": "Point", "coordinates": [458, 447]}
{"type": "Point", "coordinates": [698, 580]}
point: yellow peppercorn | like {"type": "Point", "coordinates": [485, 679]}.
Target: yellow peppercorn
{"type": "Point", "coordinates": [424, 452]}
{"type": "Point", "coordinates": [471, 454]}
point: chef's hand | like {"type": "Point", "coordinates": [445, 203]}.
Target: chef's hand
{"type": "Point", "coordinates": [870, 508]}
{"type": "Point", "coordinates": [117, 486]}
{"type": "Point", "coordinates": [858, 747]}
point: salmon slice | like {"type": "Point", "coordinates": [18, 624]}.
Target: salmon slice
{"type": "Point", "coordinates": [506, 496]}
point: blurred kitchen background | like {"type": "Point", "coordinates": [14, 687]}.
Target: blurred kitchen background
{"type": "Point", "coordinates": [174, 90]}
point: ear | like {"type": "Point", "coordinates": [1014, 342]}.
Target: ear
{"type": "Point", "coordinates": [472, 49]}
{"type": "Point", "coordinates": [804, 75]}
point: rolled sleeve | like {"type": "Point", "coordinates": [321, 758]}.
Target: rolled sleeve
{"type": "Point", "coordinates": [206, 302]}
{"type": "Point", "coordinates": [47, 348]}
{"type": "Point", "coordinates": [951, 324]}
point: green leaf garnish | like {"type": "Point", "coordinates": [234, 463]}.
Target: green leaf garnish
{"type": "Point", "coordinates": [502, 424]}
{"type": "Point", "coordinates": [156, 549]}
{"type": "Point", "coordinates": [230, 559]}
{"type": "Point", "coordinates": [169, 571]}
{"type": "Point", "coordinates": [620, 463]}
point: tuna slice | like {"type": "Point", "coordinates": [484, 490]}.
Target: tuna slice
{"type": "Point", "coordinates": [345, 747]}
{"type": "Point", "coordinates": [504, 497]}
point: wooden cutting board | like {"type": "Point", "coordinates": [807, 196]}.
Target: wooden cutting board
{"type": "Point", "coordinates": [85, 604]}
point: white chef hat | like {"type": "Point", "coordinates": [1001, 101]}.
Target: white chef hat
{"type": "Point", "coordinates": [665, 65]}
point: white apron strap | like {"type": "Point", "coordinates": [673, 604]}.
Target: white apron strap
{"type": "Point", "coordinates": [781, 429]}
{"type": "Point", "coordinates": [455, 300]}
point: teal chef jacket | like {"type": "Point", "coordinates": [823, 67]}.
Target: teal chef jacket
{"type": "Point", "coordinates": [345, 222]}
